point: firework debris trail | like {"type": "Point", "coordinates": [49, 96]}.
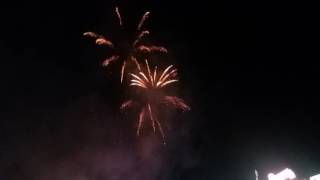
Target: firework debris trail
{"type": "Point", "coordinates": [150, 82]}
{"type": "Point", "coordinates": [137, 47]}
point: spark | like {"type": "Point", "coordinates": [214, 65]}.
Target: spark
{"type": "Point", "coordinates": [150, 83]}
{"type": "Point", "coordinates": [126, 52]}
{"type": "Point", "coordinates": [122, 69]}
{"type": "Point", "coordinates": [126, 104]}
{"type": "Point", "coordinates": [119, 16]}
{"type": "Point", "coordinates": [150, 49]}
{"type": "Point", "coordinates": [152, 119]}
{"type": "Point", "coordinates": [141, 117]}
{"type": "Point", "coordinates": [141, 35]}
{"type": "Point", "coordinates": [109, 60]}
{"type": "Point", "coordinates": [176, 102]}
{"type": "Point", "coordinates": [143, 19]}
{"type": "Point", "coordinates": [100, 40]}
{"type": "Point", "coordinates": [137, 63]}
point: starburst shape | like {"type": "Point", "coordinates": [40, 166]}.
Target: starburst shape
{"type": "Point", "coordinates": [151, 83]}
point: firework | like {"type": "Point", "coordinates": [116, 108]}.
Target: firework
{"type": "Point", "coordinates": [152, 82]}
{"type": "Point", "coordinates": [129, 51]}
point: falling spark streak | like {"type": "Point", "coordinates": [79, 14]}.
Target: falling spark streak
{"type": "Point", "coordinates": [151, 84]}
{"type": "Point", "coordinates": [119, 16]}
{"type": "Point", "coordinates": [122, 70]}
{"type": "Point", "coordinates": [168, 82]}
{"type": "Point", "coordinates": [143, 19]}
{"type": "Point", "coordinates": [131, 52]}
{"type": "Point", "coordinates": [141, 117]}
{"type": "Point", "coordinates": [109, 60]}
{"type": "Point", "coordinates": [103, 41]}
{"type": "Point", "coordinates": [149, 49]}
{"type": "Point", "coordinates": [126, 104]}
{"type": "Point", "coordinates": [149, 73]}
{"type": "Point", "coordinates": [176, 102]}
{"type": "Point", "coordinates": [161, 131]}
{"type": "Point", "coordinates": [155, 74]}
{"type": "Point", "coordinates": [162, 80]}
{"type": "Point", "coordinates": [141, 35]}
{"type": "Point", "coordinates": [138, 84]}
{"type": "Point", "coordinates": [144, 76]}
{"type": "Point", "coordinates": [137, 77]}
{"type": "Point", "coordinates": [165, 71]}
{"type": "Point", "coordinates": [151, 117]}
{"type": "Point", "coordinates": [137, 63]}
{"type": "Point", "coordinates": [100, 40]}
{"type": "Point", "coordinates": [136, 81]}
{"type": "Point", "coordinates": [92, 34]}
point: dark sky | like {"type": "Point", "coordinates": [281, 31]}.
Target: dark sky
{"type": "Point", "coordinates": [248, 69]}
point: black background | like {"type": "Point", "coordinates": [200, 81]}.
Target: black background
{"type": "Point", "coordinates": [249, 70]}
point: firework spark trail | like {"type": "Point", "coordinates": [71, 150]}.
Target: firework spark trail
{"type": "Point", "coordinates": [122, 70]}
{"type": "Point", "coordinates": [103, 41]}
{"type": "Point", "coordinates": [161, 131]}
{"type": "Point", "coordinates": [100, 40]}
{"type": "Point", "coordinates": [110, 60]}
{"type": "Point", "coordinates": [162, 80]}
{"type": "Point", "coordinates": [176, 102]}
{"type": "Point", "coordinates": [137, 80]}
{"type": "Point", "coordinates": [150, 82]}
{"type": "Point", "coordinates": [144, 76]}
{"type": "Point", "coordinates": [151, 117]}
{"type": "Point", "coordinates": [119, 16]}
{"type": "Point", "coordinates": [141, 35]}
{"type": "Point", "coordinates": [143, 19]}
{"type": "Point", "coordinates": [136, 62]}
{"type": "Point", "coordinates": [155, 74]}
{"type": "Point", "coordinates": [165, 71]}
{"type": "Point", "coordinates": [91, 34]}
{"type": "Point", "coordinates": [168, 82]}
{"type": "Point", "coordinates": [149, 73]}
{"type": "Point", "coordinates": [126, 104]}
{"type": "Point", "coordinates": [149, 49]}
{"type": "Point", "coordinates": [141, 117]}
{"type": "Point", "coordinates": [134, 50]}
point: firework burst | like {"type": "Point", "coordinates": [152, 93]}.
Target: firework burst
{"type": "Point", "coordinates": [152, 82]}
{"type": "Point", "coordinates": [129, 51]}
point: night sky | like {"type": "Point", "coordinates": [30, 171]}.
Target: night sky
{"type": "Point", "coordinates": [249, 70]}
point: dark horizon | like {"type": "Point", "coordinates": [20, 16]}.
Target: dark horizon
{"type": "Point", "coordinates": [248, 69]}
